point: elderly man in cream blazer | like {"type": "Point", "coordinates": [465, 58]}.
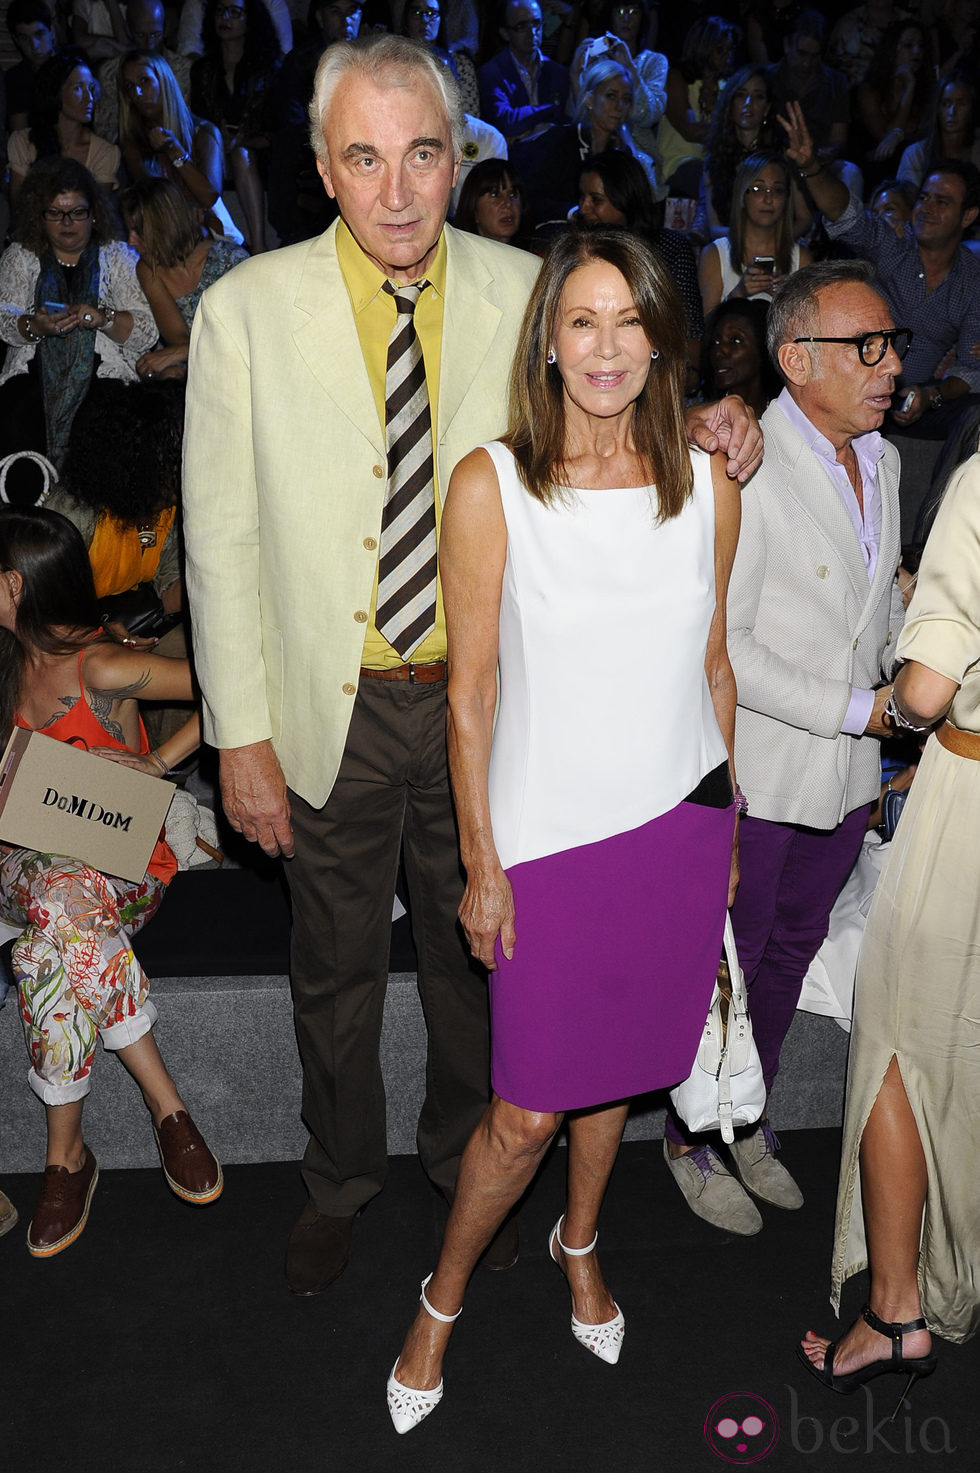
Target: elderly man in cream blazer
{"type": "Point", "coordinates": [813, 614]}
{"type": "Point", "coordinates": [332, 738]}
{"type": "Point", "coordinates": [285, 478]}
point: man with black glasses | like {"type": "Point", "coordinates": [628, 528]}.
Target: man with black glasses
{"type": "Point", "coordinates": [813, 613]}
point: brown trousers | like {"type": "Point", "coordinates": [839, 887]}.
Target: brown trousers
{"type": "Point", "coordinates": [391, 798]}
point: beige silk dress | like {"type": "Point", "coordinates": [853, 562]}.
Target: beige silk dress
{"type": "Point", "coordinates": [917, 995]}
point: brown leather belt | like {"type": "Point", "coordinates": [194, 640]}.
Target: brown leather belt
{"type": "Point", "coordinates": [963, 743]}
{"type": "Point", "coordinates": [416, 674]}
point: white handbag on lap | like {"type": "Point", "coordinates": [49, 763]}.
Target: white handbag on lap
{"type": "Point", "coordinates": [725, 1088]}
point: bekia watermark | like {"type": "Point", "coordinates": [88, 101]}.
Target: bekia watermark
{"type": "Point", "coordinates": [743, 1428]}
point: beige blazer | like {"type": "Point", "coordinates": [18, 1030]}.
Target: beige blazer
{"type": "Point", "coordinates": [804, 626]}
{"type": "Point", "coordinates": [284, 478]}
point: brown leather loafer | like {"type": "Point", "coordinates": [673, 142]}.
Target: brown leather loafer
{"type": "Point", "coordinates": [191, 1170]}
{"type": "Point", "coordinates": [317, 1251]}
{"type": "Point", "coordinates": [8, 1214]}
{"type": "Point", "coordinates": [62, 1208]}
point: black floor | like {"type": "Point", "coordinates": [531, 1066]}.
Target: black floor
{"type": "Point", "coordinates": [165, 1339]}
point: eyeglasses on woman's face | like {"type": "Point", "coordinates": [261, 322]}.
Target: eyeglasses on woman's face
{"type": "Point", "coordinates": [230, 12]}
{"type": "Point", "coordinates": [61, 217]}
{"type": "Point", "coordinates": [770, 191]}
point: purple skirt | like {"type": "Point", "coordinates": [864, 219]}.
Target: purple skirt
{"type": "Point", "coordinates": [617, 952]}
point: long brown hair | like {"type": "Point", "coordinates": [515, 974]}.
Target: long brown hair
{"type": "Point", "coordinates": [749, 170]}
{"type": "Point", "coordinates": [537, 405]}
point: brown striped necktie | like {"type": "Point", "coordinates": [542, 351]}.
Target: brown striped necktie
{"type": "Point", "coordinates": [406, 610]}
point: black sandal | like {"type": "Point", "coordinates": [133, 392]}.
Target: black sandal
{"type": "Point", "coordinates": [911, 1366]}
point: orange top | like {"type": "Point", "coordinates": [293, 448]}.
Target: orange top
{"type": "Point", "coordinates": [118, 559]}
{"type": "Point", "coordinates": [82, 728]}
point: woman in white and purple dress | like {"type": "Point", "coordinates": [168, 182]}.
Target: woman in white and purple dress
{"type": "Point", "coordinates": [587, 557]}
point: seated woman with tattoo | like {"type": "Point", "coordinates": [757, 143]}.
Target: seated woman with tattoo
{"type": "Point", "coordinates": [76, 973]}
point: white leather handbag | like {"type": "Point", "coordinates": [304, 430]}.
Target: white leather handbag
{"type": "Point", "coordinates": [725, 1088]}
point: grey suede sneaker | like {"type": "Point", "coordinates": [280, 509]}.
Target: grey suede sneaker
{"type": "Point", "coordinates": [712, 1192]}
{"type": "Point", "coordinates": [754, 1158]}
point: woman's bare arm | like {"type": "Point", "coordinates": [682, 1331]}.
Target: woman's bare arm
{"type": "Point", "coordinates": [717, 665]}
{"type": "Point", "coordinates": [473, 548]}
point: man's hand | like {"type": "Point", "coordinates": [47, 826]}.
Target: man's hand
{"type": "Point", "coordinates": [799, 149]}
{"type": "Point", "coordinates": [916, 409]}
{"type": "Point", "coordinates": [253, 792]}
{"type": "Point", "coordinates": [876, 721]}
{"type": "Point", "coordinates": [731, 426]}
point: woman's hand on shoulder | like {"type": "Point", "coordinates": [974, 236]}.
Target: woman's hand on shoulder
{"type": "Point", "coordinates": [486, 912]}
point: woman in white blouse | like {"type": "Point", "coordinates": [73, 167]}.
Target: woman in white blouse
{"type": "Point", "coordinates": [71, 307]}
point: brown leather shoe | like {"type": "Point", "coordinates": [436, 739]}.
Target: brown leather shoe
{"type": "Point", "coordinates": [191, 1170]}
{"type": "Point", "coordinates": [317, 1251]}
{"type": "Point", "coordinates": [62, 1208]}
{"type": "Point", "coordinates": [8, 1214]}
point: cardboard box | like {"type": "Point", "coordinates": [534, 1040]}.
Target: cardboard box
{"type": "Point", "coordinates": [59, 799]}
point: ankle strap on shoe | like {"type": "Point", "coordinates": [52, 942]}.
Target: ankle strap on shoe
{"type": "Point", "coordinates": [573, 1252]}
{"type": "Point", "coordinates": [892, 1329]}
{"type": "Point", "coordinates": [445, 1319]}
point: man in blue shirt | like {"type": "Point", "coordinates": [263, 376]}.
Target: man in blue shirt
{"type": "Point", "coordinates": [929, 278]}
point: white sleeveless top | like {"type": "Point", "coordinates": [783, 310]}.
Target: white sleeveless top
{"type": "Point", "coordinates": [605, 718]}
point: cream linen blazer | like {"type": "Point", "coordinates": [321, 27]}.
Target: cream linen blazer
{"type": "Point", "coordinates": [804, 626]}
{"type": "Point", "coordinates": [284, 479]}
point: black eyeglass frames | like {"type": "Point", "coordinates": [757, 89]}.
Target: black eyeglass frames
{"type": "Point", "coordinates": [872, 346]}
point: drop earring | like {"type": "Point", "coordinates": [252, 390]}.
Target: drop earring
{"type": "Point", "coordinates": [552, 356]}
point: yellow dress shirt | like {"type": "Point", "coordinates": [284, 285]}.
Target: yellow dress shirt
{"type": "Point", "coordinates": [374, 314]}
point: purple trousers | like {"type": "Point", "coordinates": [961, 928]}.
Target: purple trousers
{"type": "Point", "coordinates": [791, 877]}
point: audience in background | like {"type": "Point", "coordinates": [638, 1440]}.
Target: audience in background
{"type": "Point", "coordinates": [801, 76]}
{"type": "Point", "coordinates": [734, 356]}
{"type": "Point", "coordinates": [61, 122]}
{"type": "Point", "coordinates": [857, 35]}
{"type": "Point", "coordinates": [192, 31]}
{"type": "Point", "coordinates": [521, 91]}
{"type": "Point", "coordinates": [954, 130]}
{"type": "Point", "coordinates": [492, 202]}
{"type": "Point", "coordinates": [71, 307]}
{"type": "Point", "coordinates": [146, 27]}
{"type": "Point", "coordinates": [160, 138]}
{"type": "Point", "coordinates": [759, 252]}
{"type": "Point", "coordinates": [423, 20]}
{"type": "Point", "coordinates": [693, 87]}
{"type": "Point", "coordinates": [232, 86]}
{"type": "Point", "coordinates": [740, 124]}
{"type": "Point", "coordinates": [893, 201]}
{"type": "Point", "coordinates": [31, 28]}
{"type": "Point", "coordinates": [623, 28]}
{"type": "Point", "coordinates": [178, 260]}
{"type": "Point", "coordinates": [929, 279]}
{"type": "Point", "coordinates": [891, 107]}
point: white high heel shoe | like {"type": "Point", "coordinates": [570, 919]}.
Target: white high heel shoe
{"type": "Point", "coordinates": [605, 1340]}
{"type": "Point", "coordinates": [408, 1406]}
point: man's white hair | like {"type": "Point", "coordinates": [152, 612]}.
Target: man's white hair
{"type": "Point", "coordinates": [392, 61]}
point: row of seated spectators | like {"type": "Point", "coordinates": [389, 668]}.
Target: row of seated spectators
{"type": "Point", "coordinates": [214, 95]}
{"type": "Point", "coordinates": [171, 111]}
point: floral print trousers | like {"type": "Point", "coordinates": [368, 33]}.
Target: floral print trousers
{"type": "Point", "coordinates": [76, 973]}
